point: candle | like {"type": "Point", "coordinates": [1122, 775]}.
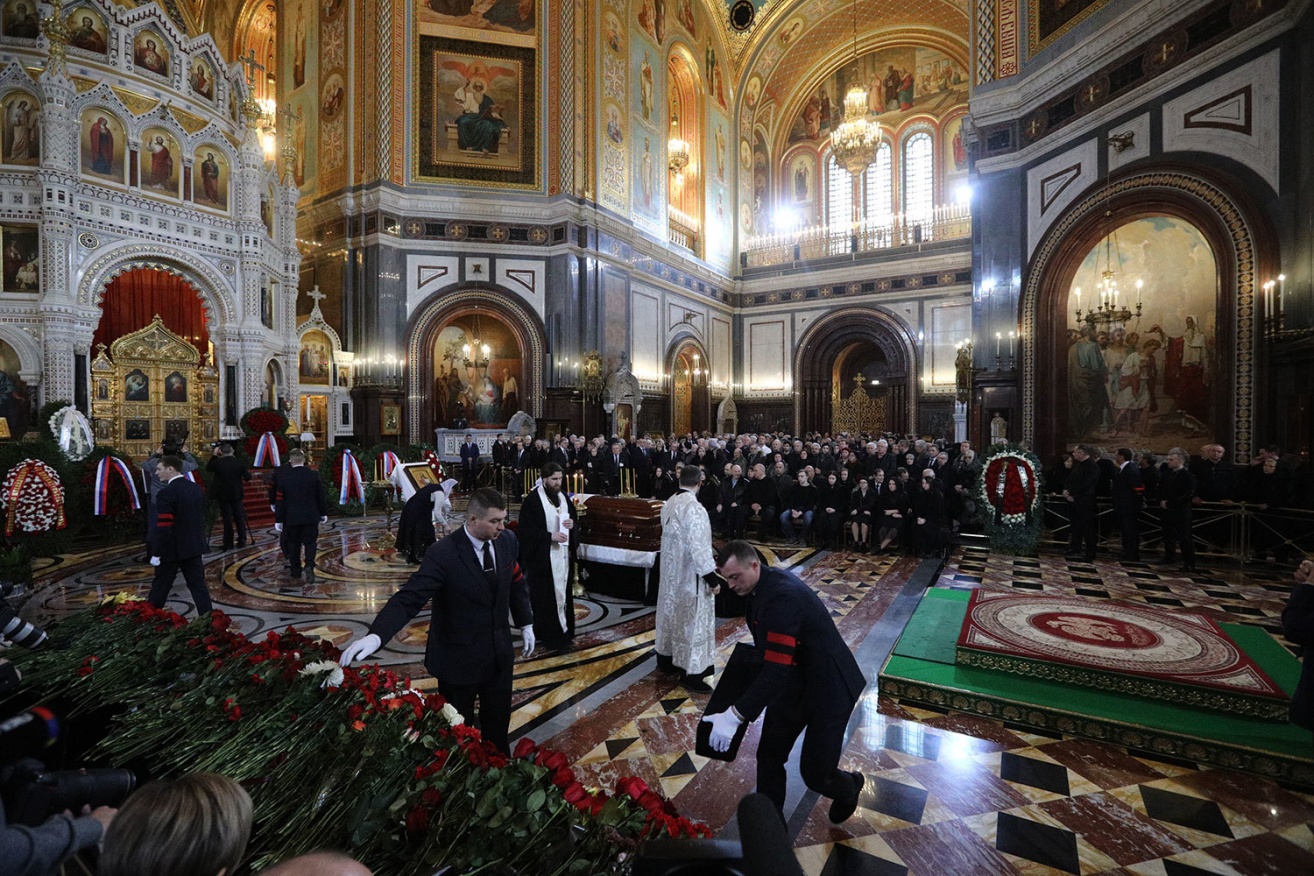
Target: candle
{"type": "Point", "coordinates": [999, 336]}
{"type": "Point", "coordinates": [1139, 284]}
{"type": "Point", "coordinates": [1012, 341]}
{"type": "Point", "coordinates": [1282, 292]}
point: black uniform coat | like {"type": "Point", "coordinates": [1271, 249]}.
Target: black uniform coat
{"type": "Point", "coordinates": [1127, 490]}
{"type": "Point", "coordinates": [469, 636]}
{"type": "Point", "coordinates": [179, 532]}
{"type": "Point", "coordinates": [807, 668]}
{"type": "Point", "coordinates": [229, 473]}
{"type": "Point", "coordinates": [299, 497]}
{"type": "Point", "coordinates": [1298, 627]}
{"type": "Point", "coordinates": [536, 562]}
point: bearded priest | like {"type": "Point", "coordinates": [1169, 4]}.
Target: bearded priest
{"type": "Point", "coordinates": [546, 529]}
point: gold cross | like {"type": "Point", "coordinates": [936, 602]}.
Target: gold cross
{"type": "Point", "coordinates": [251, 65]}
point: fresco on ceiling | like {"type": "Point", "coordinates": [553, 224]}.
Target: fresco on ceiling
{"type": "Point", "coordinates": [647, 156]}
{"type": "Point", "coordinates": [1152, 381]}
{"type": "Point", "coordinates": [761, 182]}
{"type": "Point", "coordinates": [502, 16]}
{"type": "Point", "coordinates": [647, 78]}
{"type": "Point", "coordinates": [899, 81]}
{"type": "Point", "coordinates": [651, 15]}
{"type": "Point", "coordinates": [1050, 19]}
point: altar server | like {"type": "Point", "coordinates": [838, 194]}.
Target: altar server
{"type": "Point", "coordinates": [686, 610]}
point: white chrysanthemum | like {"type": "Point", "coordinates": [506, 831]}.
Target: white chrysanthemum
{"type": "Point", "coordinates": [335, 674]}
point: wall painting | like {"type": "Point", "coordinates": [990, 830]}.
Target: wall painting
{"type": "Point", "coordinates": [1154, 381]}
{"type": "Point", "coordinates": [87, 31]}
{"type": "Point", "coordinates": [20, 246]}
{"type": "Point", "coordinates": [22, 129]}
{"type": "Point", "coordinates": [103, 145]}
{"type": "Point", "coordinates": [201, 79]}
{"type": "Point", "coordinates": [210, 178]}
{"type": "Point", "coordinates": [482, 395]}
{"type": "Point", "coordinates": [19, 20]}
{"type": "Point", "coordinates": [150, 52]}
{"type": "Point", "coordinates": [161, 161]}
{"type": "Point", "coordinates": [316, 359]}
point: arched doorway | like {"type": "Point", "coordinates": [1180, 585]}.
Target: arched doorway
{"type": "Point", "coordinates": [690, 401]}
{"type": "Point", "coordinates": [848, 346]}
{"type": "Point", "coordinates": [485, 387]}
{"type": "Point", "coordinates": [1183, 207]}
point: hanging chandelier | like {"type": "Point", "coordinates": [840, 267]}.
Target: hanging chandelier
{"type": "Point", "coordinates": [677, 150]}
{"type": "Point", "coordinates": [854, 141]}
{"type": "Point", "coordinates": [1107, 311]}
{"type": "Point", "coordinates": [476, 352]}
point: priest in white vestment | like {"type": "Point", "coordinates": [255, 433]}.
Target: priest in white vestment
{"type": "Point", "coordinates": [686, 610]}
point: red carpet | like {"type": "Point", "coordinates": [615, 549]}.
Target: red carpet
{"type": "Point", "coordinates": [1178, 657]}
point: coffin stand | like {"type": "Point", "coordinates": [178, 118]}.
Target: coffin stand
{"type": "Point", "coordinates": [620, 542]}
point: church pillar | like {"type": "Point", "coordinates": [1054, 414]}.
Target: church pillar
{"type": "Point", "coordinates": [998, 244]}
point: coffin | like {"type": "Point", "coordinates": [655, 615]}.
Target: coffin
{"type": "Point", "coordinates": [628, 524]}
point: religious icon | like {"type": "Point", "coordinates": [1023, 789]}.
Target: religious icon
{"type": "Point", "coordinates": [614, 131]}
{"type": "Point", "coordinates": [21, 248]}
{"type": "Point", "coordinates": [645, 88]}
{"type": "Point", "coordinates": [22, 128]}
{"type": "Point", "coordinates": [316, 357]}
{"type": "Point", "coordinates": [159, 161]}
{"type": "Point", "coordinates": [150, 52]}
{"type": "Point", "coordinates": [86, 31]}
{"type": "Point", "coordinates": [207, 394]}
{"type": "Point", "coordinates": [611, 32]}
{"type": "Point", "coordinates": [136, 386]}
{"type": "Point", "coordinates": [753, 91]}
{"type": "Point", "coordinates": [201, 79]}
{"type": "Point", "coordinates": [177, 429]}
{"type": "Point", "coordinates": [332, 97]}
{"type": "Point", "coordinates": [212, 176]}
{"type": "Point", "coordinates": [137, 430]}
{"type": "Point", "coordinates": [102, 389]}
{"type": "Point", "coordinates": [175, 387]}
{"type": "Point", "coordinates": [102, 145]}
{"type": "Point", "coordinates": [390, 419]}
{"type": "Point", "coordinates": [19, 20]}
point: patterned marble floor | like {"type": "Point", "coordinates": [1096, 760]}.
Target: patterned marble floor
{"type": "Point", "coordinates": [946, 793]}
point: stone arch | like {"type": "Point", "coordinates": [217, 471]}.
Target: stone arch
{"type": "Point", "coordinates": [435, 312]}
{"type": "Point", "coordinates": [30, 363]}
{"type": "Point", "coordinates": [212, 288]}
{"type": "Point", "coordinates": [1243, 250]}
{"type": "Point", "coordinates": [828, 339]}
{"type": "Point", "coordinates": [686, 393]}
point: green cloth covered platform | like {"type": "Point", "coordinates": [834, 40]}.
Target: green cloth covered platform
{"type": "Point", "coordinates": [921, 670]}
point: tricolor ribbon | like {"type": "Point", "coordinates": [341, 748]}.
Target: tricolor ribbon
{"type": "Point", "coordinates": [387, 462]}
{"type": "Point", "coordinates": [107, 466]}
{"type": "Point", "coordinates": [267, 451]}
{"type": "Point", "coordinates": [351, 481]}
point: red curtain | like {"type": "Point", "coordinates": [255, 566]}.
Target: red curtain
{"type": "Point", "coordinates": [132, 300]}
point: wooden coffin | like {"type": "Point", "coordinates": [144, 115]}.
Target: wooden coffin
{"type": "Point", "coordinates": [632, 524]}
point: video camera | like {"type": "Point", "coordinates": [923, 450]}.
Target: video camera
{"type": "Point", "coordinates": [31, 793]}
{"type": "Point", "coordinates": [13, 627]}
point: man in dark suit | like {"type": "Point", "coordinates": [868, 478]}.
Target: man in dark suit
{"type": "Point", "coordinates": [1080, 493]}
{"type": "Point", "coordinates": [809, 683]}
{"type": "Point", "coordinates": [1128, 494]}
{"type": "Point", "coordinates": [499, 450]}
{"type": "Point", "coordinates": [732, 511]}
{"type": "Point", "coordinates": [299, 509]}
{"type": "Point", "coordinates": [641, 461]}
{"type": "Point", "coordinates": [617, 462]}
{"type": "Point", "coordinates": [178, 540]}
{"type": "Point", "coordinates": [228, 490]}
{"type": "Point", "coordinates": [474, 579]}
{"type": "Point", "coordinates": [469, 463]}
{"type": "Point", "coordinates": [1176, 490]}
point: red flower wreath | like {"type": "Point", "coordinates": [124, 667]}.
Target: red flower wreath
{"type": "Point", "coordinates": [1010, 487]}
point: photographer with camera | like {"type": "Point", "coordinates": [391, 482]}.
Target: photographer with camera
{"type": "Point", "coordinates": [44, 832]}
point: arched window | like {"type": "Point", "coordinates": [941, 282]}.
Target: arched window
{"type": "Point", "coordinates": [879, 185]}
{"type": "Point", "coordinates": [839, 205]}
{"type": "Point", "coordinates": [918, 178]}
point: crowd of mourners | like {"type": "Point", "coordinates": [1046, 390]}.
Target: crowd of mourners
{"type": "Point", "coordinates": [869, 493]}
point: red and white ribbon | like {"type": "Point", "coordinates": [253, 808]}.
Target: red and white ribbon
{"type": "Point", "coordinates": [352, 485]}
{"type": "Point", "coordinates": [387, 462]}
{"type": "Point", "coordinates": [108, 466]}
{"type": "Point", "coordinates": [267, 451]}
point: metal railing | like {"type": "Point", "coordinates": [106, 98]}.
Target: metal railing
{"type": "Point", "coordinates": [820, 241]}
{"type": "Point", "coordinates": [1240, 531]}
{"type": "Point", "coordinates": [682, 230]}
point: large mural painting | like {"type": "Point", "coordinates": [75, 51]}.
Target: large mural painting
{"type": "Point", "coordinates": [900, 81]}
{"type": "Point", "coordinates": [1050, 19]}
{"type": "Point", "coordinates": [479, 389]}
{"type": "Point", "coordinates": [1148, 380]}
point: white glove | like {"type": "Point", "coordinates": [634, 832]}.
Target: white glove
{"type": "Point", "coordinates": [323, 520]}
{"type": "Point", "coordinates": [527, 633]}
{"type": "Point", "coordinates": [155, 561]}
{"type": "Point", "coordinates": [278, 527]}
{"type": "Point", "coordinates": [724, 724]}
{"type": "Point", "coordinates": [359, 649]}
{"type": "Point", "coordinates": [273, 510]}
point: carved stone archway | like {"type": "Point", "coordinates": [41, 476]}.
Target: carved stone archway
{"type": "Point", "coordinates": [1242, 248]}
{"type": "Point", "coordinates": [435, 313]}
{"type": "Point", "coordinates": [690, 401]}
{"type": "Point", "coordinates": [828, 341]}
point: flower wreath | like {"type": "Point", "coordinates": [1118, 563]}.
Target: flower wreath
{"type": "Point", "coordinates": [33, 498]}
{"type": "Point", "coordinates": [72, 433]}
{"type": "Point", "coordinates": [1010, 486]}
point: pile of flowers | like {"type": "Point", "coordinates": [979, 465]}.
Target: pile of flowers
{"type": "Point", "coordinates": [257, 422]}
{"type": "Point", "coordinates": [1009, 493]}
{"type": "Point", "coordinates": [349, 758]}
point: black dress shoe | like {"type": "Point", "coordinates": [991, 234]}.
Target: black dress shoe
{"type": "Point", "coordinates": [310, 574]}
{"type": "Point", "coordinates": [841, 809]}
{"type": "Point", "coordinates": [695, 684]}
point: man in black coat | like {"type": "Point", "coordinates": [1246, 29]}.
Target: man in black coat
{"type": "Point", "coordinates": [475, 581]}
{"type": "Point", "coordinates": [1080, 493]}
{"type": "Point", "coordinates": [1176, 490]}
{"type": "Point", "coordinates": [615, 463]}
{"type": "Point", "coordinates": [1298, 627]}
{"type": "Point", "coordinates": [732, 510]}
{"type": "Point", "coordinates": [299, 509]}
{"type": "Point", "coordinates": [228, 490]}
{"type": "Point", "coordinates": [547, 551]}
{"type": "Point", "coordinates": [809, 683]}
{"type": "Point", "coordinates": [469, 463]}
{"type": "Point", "coordinates": [178, 540]}
{"type": "Point", "coordinates": [763, 498]}
{"type": "Point", "coordinates": [1128, 494]}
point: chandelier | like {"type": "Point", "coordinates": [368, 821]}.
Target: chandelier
{"type": "Point", "coordinates": [854, 141]}
{"type": "Point", "coordinates": [1107, 312]}
{"type": "Point", "coordinates": [476, 352]}
{"type": "Point", "coordinates": [677, 150]}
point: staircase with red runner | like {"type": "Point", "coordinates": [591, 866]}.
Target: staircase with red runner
{"type": "Point", "coordinates": [256, 500]}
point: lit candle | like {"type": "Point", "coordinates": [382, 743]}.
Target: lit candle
{"type": "Point", "coordinates": [1139, 284]}
{"type": "Point", "coordinates": [1012, 341]}
{"type": "Point", "coordinates": [1282, 292]}
{"type": "Point", "coordinates": [999, 336]}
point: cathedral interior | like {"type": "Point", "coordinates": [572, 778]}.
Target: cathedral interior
{"type": "Point", "coordinates": [396, 223]}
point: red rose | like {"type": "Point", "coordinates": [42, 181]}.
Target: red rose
{"type": "Point", "coordinates": [574, 793]}
{"type": "Point", "coordinates": [631, 786]}
{"type": "Point", "coordinates": [525, 748]}
{"type": "Point", "coordinates": [562, 777]}
{"type": "Point", "coordinates": [432, 796]}
{"type": "Point", "coordinates": [417, 820]}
